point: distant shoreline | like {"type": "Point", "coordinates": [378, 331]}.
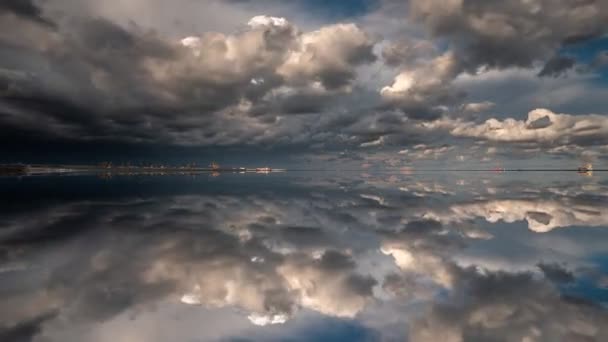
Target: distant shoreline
{"type": "Point", "coordinates": [36, 169]}
{"type": "Point", "coordinates": [41, 169]}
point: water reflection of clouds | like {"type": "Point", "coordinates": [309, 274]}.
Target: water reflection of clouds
{"type": "Point", "coordinates": [541, 215]}
{"type": "Point", "coordinates": [402, 259]}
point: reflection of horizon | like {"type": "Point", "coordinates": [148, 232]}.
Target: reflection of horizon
{"type": "Point", "coordinates": [273, 255]}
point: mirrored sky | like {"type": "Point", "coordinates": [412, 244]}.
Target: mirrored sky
{"type": "Point", "coordinates": [303, 256]}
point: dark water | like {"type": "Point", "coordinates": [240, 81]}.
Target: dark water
{"type": "Point", "coordinates": [305, 257]}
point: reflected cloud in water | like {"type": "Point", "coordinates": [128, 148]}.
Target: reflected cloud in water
{"type": "Point", "coordinates": [452, 257]}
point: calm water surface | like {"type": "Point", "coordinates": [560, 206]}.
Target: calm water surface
{"type": "Point", "coordinates": [305, 257]}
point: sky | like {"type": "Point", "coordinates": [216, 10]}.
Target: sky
{"type": "Point", "coordinates": [305, 257]}
{"type": "Point", "coordinates": [351, 84]}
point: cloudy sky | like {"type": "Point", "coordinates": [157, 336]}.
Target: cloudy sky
{"type": "Point", "coordinates": [337, 258]}
{"type": "Point", "coordinates": [385, 83]}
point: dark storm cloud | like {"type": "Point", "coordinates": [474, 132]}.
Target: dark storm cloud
{"type": "Point", "coordinates": [24, 331]}
{"type": "Point", "coordinates": [477, 36]}
{"type": "Point", "coordinates": [406, 287]}
{"type": "Point", "coordinates": [26, 9]}
{"type": "Point", "coordinates": [407, 51]}
{"type": "Point", "coordinates": [557, 66]}
{"type": "Point", "coordinates": [510, 33]}
{"type": "Point", "coordinates": [93, 80]}
{"type": "Point", "coordinates": [556, 273]}
{"type": "Point", "coordinates": [304, 101]}
{"type": "Point", "coordinates": [66, 98]}
{"type": "Point", "coordinates": [96, 78]}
